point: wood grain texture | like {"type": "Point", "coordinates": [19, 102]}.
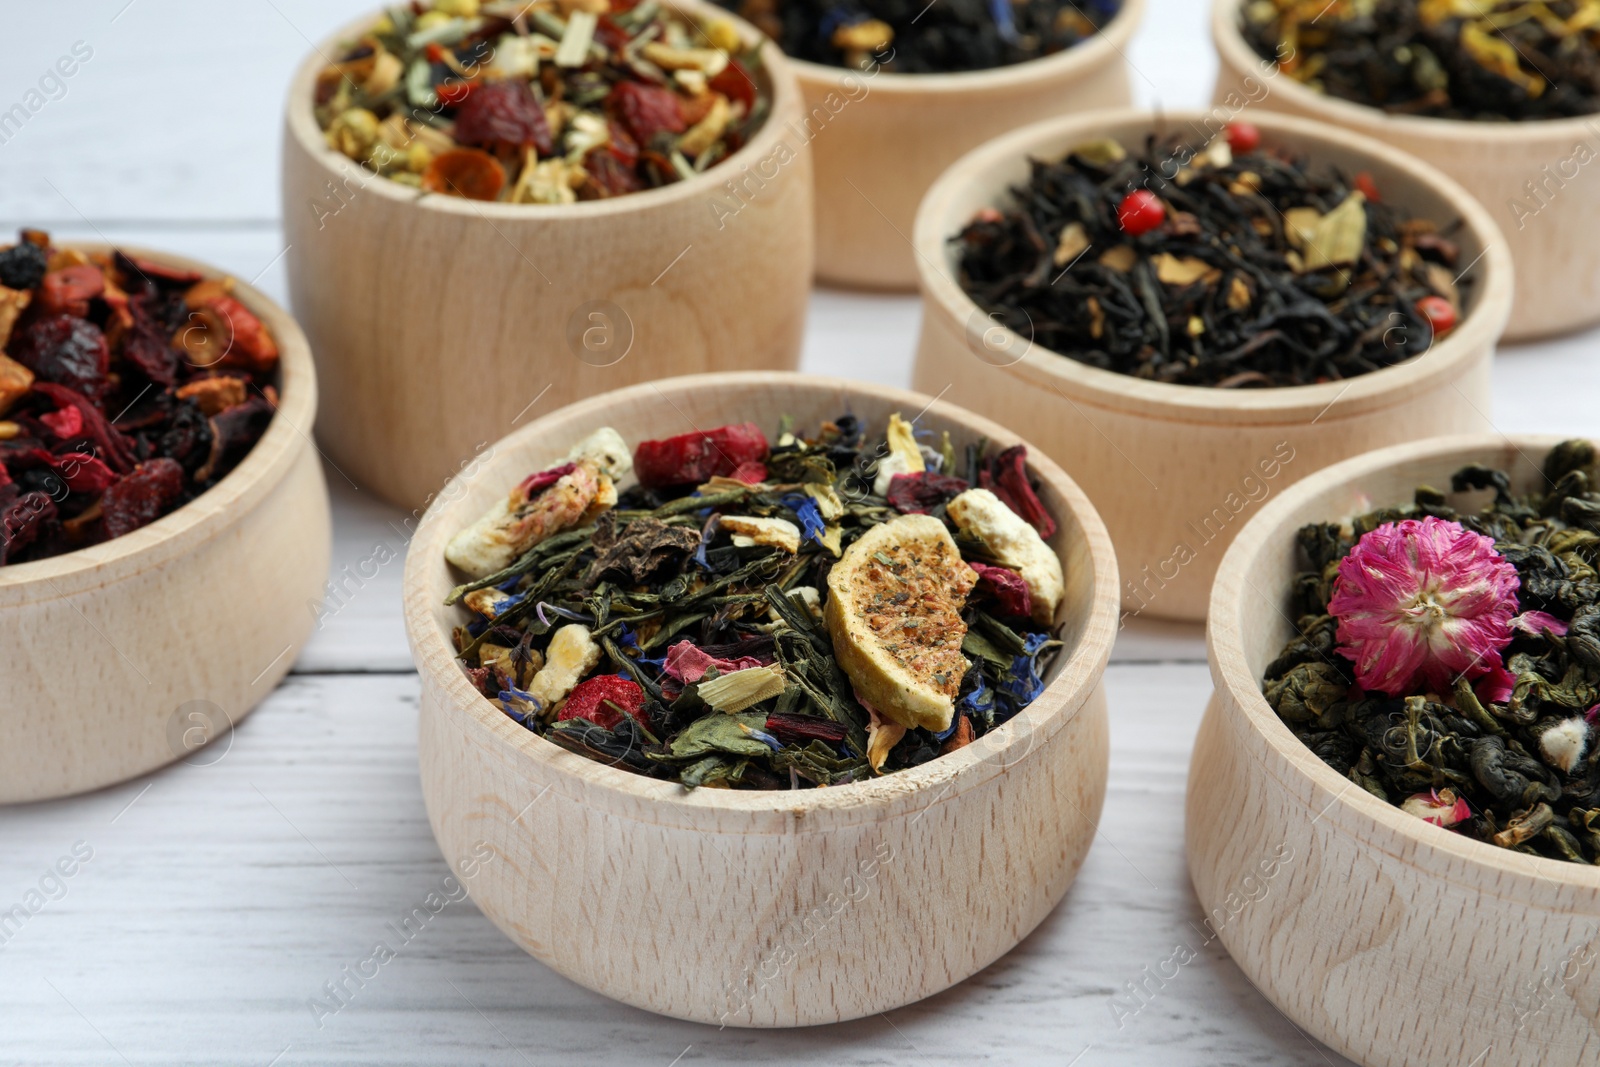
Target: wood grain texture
{"type": "Point", "coordinates": [1537, 165]}
{"type": "Point", "coordinates": [1395, 942]}
{"type": "Point", "coordinates": [1174, 470]}
{"type": "Point", "coordinates": [106, 652]}
{"type": "Point", "coordinates": [441, 324]}
{"type": "Point", "coordinates": [749, 908]}
{"type": "Point", "coordinates": [880, 140]}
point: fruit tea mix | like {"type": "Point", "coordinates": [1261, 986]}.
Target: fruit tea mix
{"type": "Point", "coordinates": [915, 37]}
{"type": "Point", "coordinates": [127, 389]}
{"type": "Point", "coordinates": [1227, 264]}
{"type": "Point", "coordinates": [547, 102]}
{"type": "Point", "coordinates": [1448, 661]}
{"type": "Point", "coordinates": [759, 615]}
{"type": "Point", "coordinates": [1488, 60]}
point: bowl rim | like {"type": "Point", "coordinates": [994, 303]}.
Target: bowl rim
{"type": "Point", "coordinates": [1234, 53]}
{"type": "Point", "coordinates": [1076, 676]}
{"type": "Point", "coordinates": [944, 298]}
{"type": "Point", "coordinates": [300, 127]}
{"type": "Point", "coordinates": [1377, 824]}
{"type": "Point", "coordinates": [182, 531]}
{"type": "Point", "coordinates": [1112, 41]}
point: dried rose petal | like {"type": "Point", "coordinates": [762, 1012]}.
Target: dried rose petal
{"type": "Point", "coordinates": [1421, 602]}
{"type": "Point", "coordinates": [688, 663]}
{"type": "Point", "coordinates": [1537, 622]}
{"type": "Point", "coordinates": [534, 484]}
{"type": "Point", "coordinates": [1496, 686]}
{"type": "Point", "coordinates": [921, 493]}
{"type": "Point", "coordinates": [1007, 588]}
{"type": "Point", "coordinates": [1440, 807]}
{"type": "Point", "coordinates": [1007, 477]}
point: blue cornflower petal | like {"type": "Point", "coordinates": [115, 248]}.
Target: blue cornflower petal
{"type": "Point", "coordinates": [805, 509]}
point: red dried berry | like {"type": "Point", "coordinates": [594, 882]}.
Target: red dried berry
{"type": "Point", "coordinates": [920, 494]}
{"type": "Point", "coordinates": [1006, 588]}
{"type": "Point", "coordinates": [610, 36]}
{"type": "Point", "coordinates": [622, 145]}
{"type": "Point", "coordinates": [608, 175]}
{"type": "Point", "coordinates": [692, 458]}
{"type": "Point", "coordinates": [68, 291]}
{"type": "Point", "coordinates": [1243, 137]}
{"type": "Point", "coordinates": [735, 83]}
{"type": "Point", "coordinates": [23, 521]}
{"type": "Point", "coordinates": [1439, 312]}
{"type": "Point", "coordinates": [599, 700]}
{"type": "Point", "coordinates": [146, 351]}
{"type": "Point", "coordinates": [1006, 475]}
{"type": "Point", "coordinates": [83, 473]}
{"type": "Point", "coordinates": [65, 424]}
{"type": "Point", "coordinates": [142, 497]}
{"type": "Point", "coordinates": [645, 110]}
{"type": "Point", "coordinates": [1140, 212]}
{"type": "Point", "coordinates": [68, 351]}
{"type": "Point", "coordinates": [503, 114]}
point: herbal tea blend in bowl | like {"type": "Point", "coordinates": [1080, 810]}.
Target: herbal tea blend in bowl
{"type": "Point", "coordinates": [1193, 330]}
{"type": "Point", "coordinates": [1400, 722]}
{"type": "Point", "coordinates": [896, 92]}
{"type": "Point", "coordinates": [154, 450]}
{"type": "Point", "coordinates": [1497, 95]}
{"type": "Point", "coordinates": [540, 103]}
{"type": "Point", "coordinates": [126, 390]}
{"type": "Point", "coordinates": [415, 300]}
{"type": "Point", "coordinates": [810, 679]}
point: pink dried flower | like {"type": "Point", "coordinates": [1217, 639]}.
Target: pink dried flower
{"type": "Point", "coordinates": [1537, 622]}
{"type": "Point", "coordinates": [1439, 806]}
{"type": "Point", "coordinates": [1421, 602]}
{"type": "Point", "coordinates": [1497, 686]}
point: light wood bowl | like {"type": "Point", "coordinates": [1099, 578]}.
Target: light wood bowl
{"type": "Point", "coordinates": [880, 141]}
{"type": "Point", "coordinates": [1556, 248]}
{"type": "Point", "coordinates": [762, 908]}
{"type": "Point", "coordinates": [1395, 942]}
{"type": "Point", "coordinates": [122, 657]}
{"type": "Point", "coordinates": [1174, 469]}
{"type": "Point", "coordinates": [441, 324]}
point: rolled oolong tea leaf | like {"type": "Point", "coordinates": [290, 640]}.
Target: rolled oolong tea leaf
{"type": "Point", "coordinates": [1486, 60]}
{"type": "Point", "coordinates": [1196, 265]}
{"type": "Point", "coordinates": [907, 37]}
{"type": "Point", "coordinates": [127, 389]}
{"type": "Point", "coordinates": [1449, 666]}
{"type": "Point", "coordinates": [541, 102]}
{"type": "Point", "coordinates": [670, 612]}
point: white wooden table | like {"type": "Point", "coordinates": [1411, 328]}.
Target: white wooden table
{"type": "Point", "coordinates": [221, 898]}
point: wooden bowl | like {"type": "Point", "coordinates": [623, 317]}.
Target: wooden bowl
{"type": "Point", "coordinates": [441, 324]}
{"type": "Point", "coordinates": [880, 140]}
{"type": "Point", "coordinates": [760, 908]}
{"type": "Point", "coordinates": [1553, 235]}
{"type": "Point", "coordinates": [1173, 469]}
{"type": "Point", "coordinates": [119, 658]}
{"type": "Point", "coordinates": [1393, 941]}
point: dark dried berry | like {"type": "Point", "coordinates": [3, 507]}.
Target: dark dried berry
{"type": "Point", "coordinates": [187, 438]}
{"type": "Point", "coordinates": [23, 522]}
{"type": "Point", "coordinates": [503, 114]}
{"type": "Point", "coordinates": [22, 266]}
{"type": "Point", "coordinates": [68, 351]}
{"type": "Point", "coordinates": [646, 110]}
{"type": "Point", "coordinates": [146, 350]}
{"type": "Point", "coordinates": [142, 497]}
{"type": "Point", "coordinates": [236, 430]}
{"type": "Point", "coordinates": [608, 176]}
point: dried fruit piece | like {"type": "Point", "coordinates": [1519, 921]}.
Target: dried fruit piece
{"type": "Point", "coordinates": [23, 521]}
{"type": "Point", "coordinates": [692, 458]}
{"type": "Point", "coordinates": [15, 381]}
{"type": "Point", "coordinates": [894, 613]}
{"type": "Point", "coordinates": [1008, 589]}
{"type": "Point", "coordinates": [467, 172]}
{"type": "Point", "coordinates": [503, 115]}
{"type": "Point", "coordinates": [1012, 543]}
{"type": "Point", "coordinates": [214, 395]}
{"type": "Point", "coordinates": [645, 110]}
{"type": "Point", "coordinates": [142, 497]}
{"type": "Point", "coordinates": [23, 265]}
{"type": "Point", "coordinates": [1007, 477]}
{"type": "Point", "coordinates": [66, 350]}
{"type": "Point", "coordinates": [68, 291]}
{"type": "Point", "coordinates": [604, 699]}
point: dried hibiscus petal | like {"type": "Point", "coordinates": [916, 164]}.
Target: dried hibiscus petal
{"type": "Point", "coordinates": [803, 729]}
{"type": "Point", "coordinates": [142, 497]}
{"type": "Point", "coordinates": [68, 291]}
{"type": "Point", "coordinates": [1007, 477]}
{"type": "Point", "coordinates": [82, 472]}
{"type": "Point", "coordinates": [467, 172]}
{"type": "Point", "coordinates": [646, 110]}
{"type": "Point", "coordinates": [603, 700]}
{"type": "Point", "coordinates": [1007, 588]}
{"type": "Point", "coordinates": [109, 443]}
{"type": "Point", "coordinates": [23, 521]}
{"type": "Point", "coordinates": [503, 114]}
{"type": "Point", "coordinates": [692, 458]}
{"type": "Point", "coordinates": [145, 349]}
{"type": "Point", "coordinates": [922, 493]}
{"type": "Point", "coordinates": [66, 350]}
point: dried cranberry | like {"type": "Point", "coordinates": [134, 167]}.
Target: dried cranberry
{"type": "Point", "coordinates": [23, 265]}
{"type": "Point", "coordinates": [610, 36]}
{"type": "Point", "coordinates": [621, 144]}
{"type": "Point", "coordinates": [503, 113]}
{"type": "Point", "coordinates": [920, 494]}
{"type": "Point", "coordinates": [646, 110]}
{"type": "Point", "coordinates": [68, 291]}
{"type": "Point", "coordinates": [1006, 588]}
{"type": "Point", "coordinates": [1007, 477]}
{"type": "Point", "coordinates": [67, 350]}
{"type": "Point", "coordinates": [142, 497]}
{"type": "Point", "coordinates": [735, 83]}
{"type": "Point", "coordinates": [147, 351]}
{"type": "Point", "coordinates": [803, 729]}
{"type": "Point", "coordinates": [23, 522]}
{"type": "Point", "coordinates": [694, 457]}
{"type": "Point", "coordinates": [609, 176]}
{"type": "Point", "coordinates": [598, 700]}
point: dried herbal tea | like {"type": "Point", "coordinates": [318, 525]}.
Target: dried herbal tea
{"type": "Point", "coordinates": [547, 102]}
{"type": "Point", "coordinates": [1487, 60]}
{"type": "Point", "coordinates": [718, 609]}
{"type": "Point", "coordinates": [127, 389]}
{"type": "Point", "coordinates": [1449, 661]}
{"type": "Point", "coordinates": [915, 37]}
{"type": "Point", "coordinates": [1229, 264]}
